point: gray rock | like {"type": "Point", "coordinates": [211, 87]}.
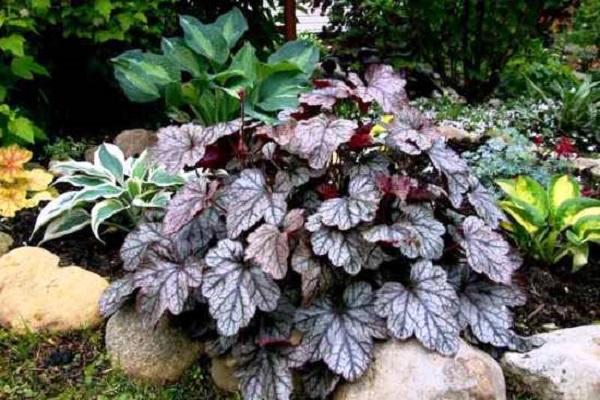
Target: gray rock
{"type": "Point", "coordinates": [592, 164]}
{"type": "Point", "coordinates": [408, 371]}
{"type": "Point", "coordinates": [566, 367]}
{"type": "Point", "coordinates": [456, 134]}
{"type": "Point", "coordinates": [158, 355]}
{"type": "Point", "coordinates": [133, 142]}
{"type": "Point", "coordinates": [222, 372]}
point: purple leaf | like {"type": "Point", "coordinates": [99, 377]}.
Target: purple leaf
{"type": "Point", "coordinates": [385, 86]}
{"type": "Point", "coordinates": [318, 381]}
{"type": "Point", "coordinates": [137, 243]}
{"type": "Point", "coordinates": [427, 309]}
{"type": "Point", "coordinates": [264, 373]}
{"type": "Point", "coordinates": [269, 248]}
{"type": "Point", "coordinates": [327, 96]}
{"type": "Point", "coordinates": [115, 295]}
{"type": "Point", "coordinates": [194, 197]}
{"type": "Point", "coordinates": [410, 132]}
{"type": "Point", "coordinates": [315, 276]}
{"type": "Point", "coordinates": [484, 203]}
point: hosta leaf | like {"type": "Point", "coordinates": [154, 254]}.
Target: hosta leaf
{"type": "Point", "coordinates": [417, 233]}
{"type": "Point", "coordinates": [53, 209]}
{"type": "Point", "coordinates": [165, 283]}
{"type": "Point", "coordinates": [316, 139]}
{"type": "Point", "coordinates": [327, 96]}
{"type": "Point", "coordinates": [319, 382]}
{"type": "Point", "coordinates": [484, 203]}
{"type": "Point", "coordinates": [185, 145]}
{"type": "Point", "coordinates": [194, 197]}
{"type": "Point", "coordinates": [206, 40]}
{"type": "Point", "coordinates": [487, 252]}
{"type": "Point", "coordinates": [115, 295]}
{"type": "Point", "coordinates": [384, 85]}
{"type": "Point", "coordinates": [360, 206]}
{"type": "Point", "coordinates": [69, 222]}
{"type": "Point", "coordinates": [341, 336]}
{"type": "Point", "coordinates": [427, 309]}
{"type": "Point", "coordinates": [137, 243]}
{"type": "Point", "coordinates": [346, 249]}
{"type": "Point", "coordinates": [234, 289]}
{"type": "Point", "coordinates": [92, 193]}
{"type": "Point", "coordinates": [264, 374]}
{"type": "Point", "coordinates": [179, 53]}
{"type": "Point", "coordinates": [250, 199]}
{"type": "Point", "coordinates": [232, 25]}
{"type": "Point", "coordinates": [75, 168]}
{"type": "Point", "coordinates": [111, 158]}
{"type": "Point", "coordinates": [103, 211]}
{"type": "Point", "coordinates": [268, 246]}
{"type": "Point", "coordinates": [301, 53]}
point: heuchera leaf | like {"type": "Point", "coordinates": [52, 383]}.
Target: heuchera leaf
{"type": "Point", "coordinates": [487, 251]}
{"type": "Point", "coordinates": [137, 243]}
{"type": "Point", "coordinates": [185, 145]}
{"type": "Point", "coordinates": [453, 167]}
{"type": "Point", "coordinates": [194, 197]}
{"type": "Point", "coordinates": [329, 92]}
{"type": "Point", "coordinates": [314, 274]}
{"type": "Point", "coordinates": [316, 139]}
{"type": "Point", "coordinates": [235, 289]}
{"type": "Point", "coordinates": [427, 309]}
{"type": "Point", "coordinates": [396, 185]}
{"type": "Point", "coordinates": [410, 132]}
{"type": "Point", "coordinates": [264, 373]}
{"type": "Point", "coordinates": [360, 206]}
{"type": "Point", "coordinates": [417, 233]}
{"type": "Point", "coordinates": [319, 381]}
{"type": "Point", "coordinates": [384, 85]}
{"type": "Point", "coordinates": [250, 199]}
{"type": "Point", "coordinates": [484, 203]}
{"type": "Point", "coordinates": [115, 295]}
{"type": "Point", "coordinates": [341, 335]}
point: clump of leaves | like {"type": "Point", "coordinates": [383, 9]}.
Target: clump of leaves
{"type": "Point", "coordinates": [316, 229]}
{"type": "Point", "coordinates": [110, 191]}
{"type": "Point", "coordinates": [20, 187]}
{"type": "Point", "coordinates": [202, 80]}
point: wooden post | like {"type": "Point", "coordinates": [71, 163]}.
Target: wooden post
{"type": "Point", "coordinates": [289, 16]}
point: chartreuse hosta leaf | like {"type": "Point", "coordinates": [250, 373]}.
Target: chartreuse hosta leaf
{"type": "Point", "coordinates": [562, 188]}
{"type": "Point", "coordinates": [427, 309]}
{"type": "Point", "coordinates": [526, 190]}
{"type": "Point", "coordinates": [341, 334]}
{"type": "Point", "coordinates": [573, 209]}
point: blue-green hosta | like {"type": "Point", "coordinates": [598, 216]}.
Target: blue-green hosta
{"type": "Point", "coordinates": [111, 191]}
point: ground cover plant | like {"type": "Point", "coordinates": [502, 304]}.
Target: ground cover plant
{"type": "Point", "coordinates": [313, 238]}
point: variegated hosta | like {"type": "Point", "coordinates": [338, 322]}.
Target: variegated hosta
{"type": "Point", "coordinates": [111, 191]}
{"type": "Point", "coordinates": [306, 248]}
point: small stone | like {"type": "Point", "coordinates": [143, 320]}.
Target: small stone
{"type": "Point", "coordinates": [133, 142]}
{"type": "Point", "coordinates": [222, 372]}
{"type": "Point", "coordinates": [566, 367]}
{"type": "Point", "coordinates": [592, 164]}
{"type": "Point", "coordinates": [6, 242]}
{"type": "Point", "coordinates": [156, 355]}
{"type": "Point", "coordinates": [459, 135]}
{"type": "Point", "coordinates": [88, 155]}
{"type": "Point", "coordinates": [38, 295]}
{"type": "Point", "coordinates": [406, 370]}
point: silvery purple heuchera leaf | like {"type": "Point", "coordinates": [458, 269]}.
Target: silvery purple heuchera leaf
{"type": "Point", "coordinates": [235, 289]}
{"type": "Point", "coordinates": [416, 233]}
{"type": "Point", "coordinates": [384, 86]}
{"type": "Point", "coordinates": [250, 199]}
{"type": "Point", "coordinates": [484, 203]}
{"type": "Point", "coordinates": [194, 197]}
{"type": "Point", "coordinates": [137, 243]}
{"type": "Point", "coordinates": [185, 145]}
{"type": "Point", "coordinates": [360, 206]}
{"type": "Point", "coordinates": [410, 132]}
{"type": "Point", "coordinates": [115, 295]}
{"type": "Point", "coordinates": [264, 373]}
{"type": "Point", "coordinates": [276, 326]}
{"type": "Point", "coordinates": [327, 96]}
{"type": "Point", "coordinates": [341, 335]}
{"type": "Point", "coordinates": [427, 309]}
{"type": "Point", "coordinates": [487, 252]}
{"type": "Point", "coordinates": [318, 381]}
{"type": "Point", "coordinates": [316, 277]}
{"type": "Point", "coordinates": [316, 139]}
{"type": "Point", "coordinates": [269, 248]}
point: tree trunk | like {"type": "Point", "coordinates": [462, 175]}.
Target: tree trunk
{"type": "Point", "coordinates": [289, 15]}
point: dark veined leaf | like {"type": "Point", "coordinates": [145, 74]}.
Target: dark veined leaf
{"type": "Point", "coordinates": [326, 96]}
{"type": "Point", "coordinates": [234, 289]}
{"type": "Point", "coordinates": [344, 249]}
{"type": "Point", "coordinates": [250, 199]}
{"type": "Point", "coordinates": [416, 233]}
{"type": "Point", "coordinates": [484, 203]}
{"type": "Point", "coordinates": [115, 295]}
{"type": "Point", "coordinates": [360, 206]}
{"type": "Point", "coordinates": [282, 134]}
{"type": "Point", "coordinates": [319, 381]}
{"type": "Point", "coordinates": [138, 242]}
{"type": "Point", "coordinates": [427, 309]}
{"type": "Point", "coordinates": [397, 185]}
{"type": "Point", "coordinates": [185, 145]}
{"type": "Point", "coordinates": [458, 185]}
{"type": "Point", "coordinates": [487, 252]}
{"type": "Point", "coordinates": [264, 373]}
{"type": "Point", "coordinates": [374, 166]}
{"type": "Point", "coordinates": [316, 139]}
{"type": "Point", "coordinates": [446, 160]}
{"type": "Point", "coordinates": [384, 85]}
{"type": "Point", "coordinates": [194, 197]}
{"type": "Point", "coordinates": [410, 132]}
{"type": "Point", "coordinates": [316, 277]}
{"type": "Point", "coordinates": [276, 326]}
{"type": "Point", "coordinates": [165, 283]}
{"type": "Point", "coordinates": [341, 335]}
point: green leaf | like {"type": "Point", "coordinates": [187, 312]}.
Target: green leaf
{"type": "Point", "coordinates": [103, 211]}
{"type": "Point", "coordinates": [280, 91]}
{"type": "Point", "coordinates": [580, 256]}
{"type": "Point", "coordinates": [232, 26]}
{"type": "Point", "coordinates": [93, 193]}
{"type": "Point", "coordinates": [82, 180]}
{"type": "Point", "coordinates": [53, 209]}
{"type": "Point", "coordinates": [300, 52]}
{"type": "Point", "coordinates": [69, 222]}
{"type": "Point", "coordinates": [159, 200]}
{"type": "Point", "coordinates": [25, 67]}
{"type": "Point", "coordinates": [562, 188]}
{"type": "Point", "coordinates": [22, 128]}
{"type": "Point", "coordinates": [176, 50]}
{"type": "Point", "coordinates": [134, 187]}
{"type": "Point", "coordinates": [565, 215]}
{"type": "Point", "coordinates": [245, 60]}
{"type": "Point", "coordinates": [111, 158]}
{"type": "Point", "coordinates": [139, 169]}
{"type": "Point", "coordinates": [524, 215]}
{"type": "Point", "coordinates": [103, 7]}
{"type": "Point", "coordinates": [588, 228]}
{"type": "Point", "coordinates": [204, 39]}
{"type": "Point", "coordinates": [161, 178]}
{"type": "Point", "coordinates": [13, 44]}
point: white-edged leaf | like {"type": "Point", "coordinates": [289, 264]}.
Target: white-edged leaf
{"type": "Point", "coordinates": [104, 191]}
{"type": "Point", "coordinates": [53, 209]}
{"type": "Point", "coordinates": [110, 157]}
{"type": "Point", "coordinates": [103, 210]}
{"type": "Point", "coordinates": [66, 223]}
{"type": "Point", "coordinates": [68, 168]}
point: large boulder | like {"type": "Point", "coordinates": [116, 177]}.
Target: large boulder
{"type": "Point", "coordinates": [38, 295]}
{"type": "Point", "coordinates": [156, 355]}
{"type": "Point", "coordinates": [6, 242]}
{"type": "Point", "coordinates": [133, 142]}
{"type": "Point", "coordinates": [408, 371]}
{"type": "Point", "coordinates": [566, 367]}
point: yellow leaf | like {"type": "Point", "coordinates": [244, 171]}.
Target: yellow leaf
{"type": "Point", "coordinates": [379, 129]}
{"type": "Point", "coordinates": [12, 159]}
{"type": "Point", "coordinates": [36, 179]}
{"type": "Point", "coordinates": [11, 201]}
{"type": "Point", "coordinates": [562, 189]}
{"type": "Point", "coordinates": [45, 195]}
{"type": "Point", "coordinates": [587, 212]}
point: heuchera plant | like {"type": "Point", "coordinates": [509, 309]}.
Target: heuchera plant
{"type": "Point", "coordinates": [312, 239]}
